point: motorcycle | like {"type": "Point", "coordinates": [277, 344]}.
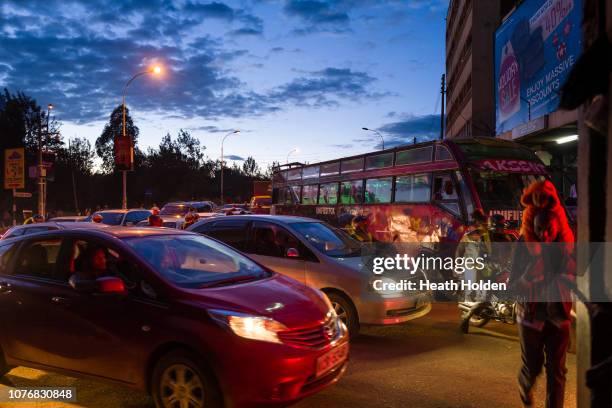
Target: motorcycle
{"type": "Point", "coordinates": [479, 313]}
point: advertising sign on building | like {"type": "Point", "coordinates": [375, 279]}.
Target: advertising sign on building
{"type": "Point", "coordinates": [535, 49]}
{"type": "Point", "coordinates": [14, 168]}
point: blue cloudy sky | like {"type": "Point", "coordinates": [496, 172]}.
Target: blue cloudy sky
{"type": "Point", "coordinates": [307, 74]}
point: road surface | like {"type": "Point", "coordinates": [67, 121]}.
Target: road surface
{"type": "Point", "coordinates": [426, 363]}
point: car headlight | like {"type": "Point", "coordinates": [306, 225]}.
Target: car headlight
{"type": "Point", "coordinates": [248, 326]}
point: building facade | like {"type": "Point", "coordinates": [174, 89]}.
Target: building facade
{"type": "Point", "coordinates": [470, 32]}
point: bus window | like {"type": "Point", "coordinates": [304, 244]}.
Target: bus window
{"type": "Point", "coordinates": [310, 172]}
{"type": "Point", "coordinates": [294, 174]}
{"type": "Point", "coordinates": [309, 194]}
{"type": "Point", "coordinates": [414, 188]}
{"type": "Point", "coordinates": [328, 193]}
{"type": "Point", "coordinates": [378, 191]}
{"type": "Point", "coordinates": [411, 156]}
{"type": "Point", "coordinates": [379, 161]}
{"type": "Point", "coordinates": [351, 192]}
{"type": "Point", "coordinates": [442, 153]}
{"type": "Point", "coordinates": [293, 195]}
{"type": "Point", "coordinates": [444, 188]}
{"type": "Point", "coordinates": [330, 169]}
{"type": "Point", "coordinates": [349, 166]}
{"type": "Point", "coordinates": [466, 195]}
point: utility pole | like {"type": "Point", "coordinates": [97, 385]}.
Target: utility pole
{"type": "Point", "coordinates": [74, 192]}
{"type": "Point", "coordinates": [41, 179]}
{"type": "Point", "coordinates": [442, 93]}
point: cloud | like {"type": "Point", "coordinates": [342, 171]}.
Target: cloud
{"type": "Point", "coordinates": [426, 127]}
{"type": "Point", "coordinates": [79, 59]}
{"type": "Point", "coordinates": [317, 12]}
{"type": "Point", "coordinates": [233, 157]}
{"type": "Point", "coordinates": [325, 87]}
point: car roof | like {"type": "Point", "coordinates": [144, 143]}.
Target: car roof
{"type": "Point", "coordinates": [118, 232]}
{"type": "Point", "coordinates": [284, 219]}
{"type": "Point", "coordinates": [119, 210]}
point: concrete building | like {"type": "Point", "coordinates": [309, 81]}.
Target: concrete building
{"type": "Point", "coordinates": [470, 51]}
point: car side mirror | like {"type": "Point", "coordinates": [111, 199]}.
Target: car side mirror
{"type": "Point", "coordinates": [110, 284]}
{"type": "Point", "coordinates": [103, 285]}
{"type": "Point", "coordinates": [292, 253]}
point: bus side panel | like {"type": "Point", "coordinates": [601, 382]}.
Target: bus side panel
{"type": "Point", "coordinates": [386, 223]}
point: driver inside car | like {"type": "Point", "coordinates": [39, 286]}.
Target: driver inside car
{"type": "Point", "coordinates": [90, 265]}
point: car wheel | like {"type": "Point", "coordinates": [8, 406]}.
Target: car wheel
{"type": "Point", "coordinates": [180, 379]}
{"type": "Point", "coordinates": [345, 311]}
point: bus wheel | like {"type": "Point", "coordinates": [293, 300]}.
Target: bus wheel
{"type": "Point", "coordinates": [346, 312]}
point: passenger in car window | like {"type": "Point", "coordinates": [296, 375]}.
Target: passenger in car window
{"type": "Point", "coordinates": [92, 263]}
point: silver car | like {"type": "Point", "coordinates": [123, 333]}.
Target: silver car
{"type": "Point", "coordinates": [320, 256]}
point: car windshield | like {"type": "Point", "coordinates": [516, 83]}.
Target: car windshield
{"type": "Point", "coordinates": [111, 218]}
{"type": "Point", "coordinates": [501, 191]}
{"type": "Point", "coordinates": [193, 261]}
{"type": "Point", "coordinates": [330, 241]}
{"type": "Point", "coordinates": [174, 209]}
{"type": "Point", "coordinates": [262, 201]}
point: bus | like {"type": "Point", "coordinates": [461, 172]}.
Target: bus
{"type": "Point", "coordinates": [425, 192]}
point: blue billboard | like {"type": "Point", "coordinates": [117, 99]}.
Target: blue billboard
{"type": "Point", "coordinates": [535, 49]}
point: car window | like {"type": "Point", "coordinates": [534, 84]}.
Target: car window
{"type": "Point", "coordinates": [6, 251]}
{"type": "Point", "coordinates": [203, 208]}
{"type": "Point", "coordinates": [269, 239]}
{"type": "Point", "coordinates": [38, 258]}
{"type": "Point", "coordinates": [136, 216]}
{"type": "Point", "coordinates": [193, 261]}
{"type": "Point", "coordinates": [231, 232]}
{"type": "Point", "coordinates": [111, 218]}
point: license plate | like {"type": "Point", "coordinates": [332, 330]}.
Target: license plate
{"type": "Point", "coordinates": [332, 359]}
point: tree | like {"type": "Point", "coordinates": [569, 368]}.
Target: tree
{"type": "Point", "coordinates": [250, 167]}
{"type": "Point", "coordinates": [105, 142]}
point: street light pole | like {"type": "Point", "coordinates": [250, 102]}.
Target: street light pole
{"type": "Point", "coordinates": [41, 176]}
{"type": "Point", "coordinates": [289, 154]}
{"type": "Point", "coordinates": [233, 132]}
{"type": "Point", "coordinates": [153, 70]}
{"type": "Point", "coordinates": [378, 133]}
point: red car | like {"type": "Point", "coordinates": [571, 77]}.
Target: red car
{"type": "Point", "coordinates": [180, 316]}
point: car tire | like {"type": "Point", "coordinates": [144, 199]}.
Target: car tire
{"type": "Point", "coordinates": [346, 311]}
{"type": "Point", "coordinates": [192, 378]}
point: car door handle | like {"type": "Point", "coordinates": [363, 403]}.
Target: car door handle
{"type": "Point", "coordinates": [58, 300]}
{"type": "Point", "coordinates": [5, 287]}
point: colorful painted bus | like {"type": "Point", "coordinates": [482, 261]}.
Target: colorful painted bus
{"type": "Point", "coordinates": [425, 192]}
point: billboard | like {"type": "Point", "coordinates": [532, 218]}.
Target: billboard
{"type": "Point", "coordinates": [14, 168]}
{"type": "Point", "coordinates": [535, 49]}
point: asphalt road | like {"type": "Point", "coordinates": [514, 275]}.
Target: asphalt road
{"type": "Point", "coordinates": [426, 363]}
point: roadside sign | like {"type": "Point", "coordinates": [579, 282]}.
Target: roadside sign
{"type": "Point", "coordinates": [22, 194]}
{"type": "Point", "coordinates": [14, 164]}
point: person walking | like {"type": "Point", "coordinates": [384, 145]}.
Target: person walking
{"type": "Point", "coordinates": [542, 262]}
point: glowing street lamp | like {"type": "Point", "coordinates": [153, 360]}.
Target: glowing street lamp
{"type": "Point", "coordinates": [155, 70]}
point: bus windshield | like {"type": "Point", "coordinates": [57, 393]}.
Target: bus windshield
{"type": "Point", "coordinates": [501, 191]}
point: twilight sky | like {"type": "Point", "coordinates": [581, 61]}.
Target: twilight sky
{"type": "Point", "coordinates": [289, 74]}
